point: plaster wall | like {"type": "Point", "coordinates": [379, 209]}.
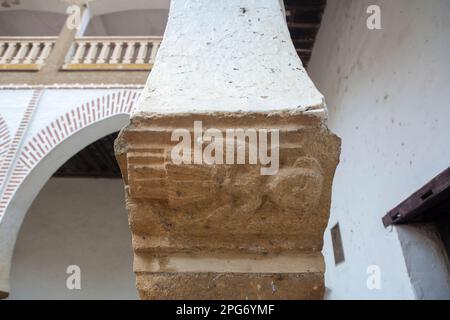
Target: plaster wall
{"type": "Point", "coordinates": [388, 97]}
{"type": "Point", "coordinates": [75, 222]}
{"type": "Point", "coordinates": [129, 23]}
{"type": "Point", "coordinates": [98, 7]}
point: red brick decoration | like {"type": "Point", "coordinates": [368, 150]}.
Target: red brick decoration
{"type": "Point", "coordinates": [10, 182]}
{"type": "Point", "coordinates": [5, 140]}
{"type": "Point", "coordinates": [52, 134]}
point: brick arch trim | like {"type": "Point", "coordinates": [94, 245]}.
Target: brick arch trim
{"type": "Point", "coordinates": [5, 140]}
{"type": "Point", "coordinates": [55, 132]}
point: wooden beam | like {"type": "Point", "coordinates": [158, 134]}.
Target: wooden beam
{"type": "Point", "coordinates": [107, 66]}
{"type": "Point", "coordinates": [425, 205]}
{"type": "Point", "coordinates": [299, 25]}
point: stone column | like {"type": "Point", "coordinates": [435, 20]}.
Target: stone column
{"type": "Point", "coordinates": [228, 226]}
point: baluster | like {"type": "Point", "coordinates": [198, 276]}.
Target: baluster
{"type": "Point", "coordinates": [117, 52]}
{"type": "Point", "coordinates": [3, 46]}
{"type": "Point", "coordinates": [23, 48]}
{"type": "Point", "coordinates": [92, 52]}
{"type": "Point", "coordinates": [104, 52]}
{"type": "Point", "coordinates": [9, 52]}
{"type": "Point", "coordinates": [142, 52]}
{"type": "Point", "coordinates": [79, 53]}
{"type": "Point", "coordinates": [129, 52]}
{"type": "Point", "coordinates": [45, 52]}
{"type": "Point", "coordinates": [155, 47]}
{"type": "Point", "coordinates": [31, 56]}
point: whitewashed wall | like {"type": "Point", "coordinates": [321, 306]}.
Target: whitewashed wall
{"type": "Point", "coordinates": [75, 222]}
{"type": "Point", "coordinates": [150, 22]}
{"type": "Point", "coordinates": [30, 23]}
{"type": "Point", "coordinates": [388, 94]}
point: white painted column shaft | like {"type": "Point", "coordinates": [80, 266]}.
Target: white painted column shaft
{"type": "Point", "coordinates": [234, 55]}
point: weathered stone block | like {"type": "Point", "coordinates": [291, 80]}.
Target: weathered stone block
{"type": "Point", "coordinates": [228, 223]}
{"type": "Point", "coordinates": [228, 210]}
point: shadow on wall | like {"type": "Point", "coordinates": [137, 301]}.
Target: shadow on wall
{"type": "Point", "coordinates": [79, 222]}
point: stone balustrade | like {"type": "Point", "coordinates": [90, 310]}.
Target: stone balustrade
{"type": "Point", "coordinates": [113, 53]}
{"type": "Point", "coordinates": [25, 53]}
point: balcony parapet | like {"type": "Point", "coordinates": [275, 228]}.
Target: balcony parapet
{"type": "Point", "coordinates": [25, 53]}
{"type": "Point", "coordinates": [112, 53]}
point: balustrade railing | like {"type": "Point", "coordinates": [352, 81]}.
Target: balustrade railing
{"type": "Point", "coordinates": [25, 53]}
{"type": "Point", "coordinates": [112, 53]}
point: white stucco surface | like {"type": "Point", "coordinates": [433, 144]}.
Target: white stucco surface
{"type": "Point", "coordinates": [129, 23]}
{"type": "Point", "coordinates": [12, 106]}
{"type": "Point", "coordinates": [230, 56]}
{"type": "Point", "coordinates": [56, 102]}
{"type": "Point", "coordinates": [75, 222]}
{"type": "Point", "coordinates": [388, 93]}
